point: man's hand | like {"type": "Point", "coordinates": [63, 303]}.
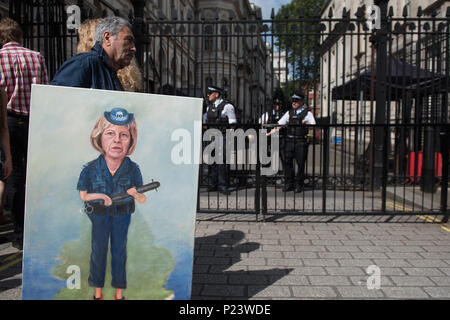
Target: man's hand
{"type": "Point", "coordinates": [273, 131]}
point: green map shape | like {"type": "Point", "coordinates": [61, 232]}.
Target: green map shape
{"type": "Point", "coordinates": [148, 266]}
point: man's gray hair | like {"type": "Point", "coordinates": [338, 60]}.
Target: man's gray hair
{"type": "Point", "coordinates": [112, 24]}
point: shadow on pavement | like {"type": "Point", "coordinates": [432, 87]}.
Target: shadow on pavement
{"type": "Point", "coordinates": [217, 260]}
{"type": "Point", "coordinates": [6, 233]}
{"type": "Point", "coordinates": [10, 284]}
{"type": "Point", "coordinates": [10, 267]}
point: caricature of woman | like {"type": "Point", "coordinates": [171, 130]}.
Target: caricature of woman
{"type": "Point", "coordinates": [114, 136]}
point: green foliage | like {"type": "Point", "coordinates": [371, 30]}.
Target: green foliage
{"type": "Point", "coordinates": [148, 266]}
{"type": "Point", "coordinates": [309, 8]}
{"type": "Point", "coordinates": [299, 36]}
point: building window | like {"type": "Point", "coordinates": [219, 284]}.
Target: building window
{"type": "Point", "coordinates": [224, 38]}
{"type": "Point", "coordinates": [224, 82]}
{"type": "Point", "coordinates": [226, 87]}
{"type": "Point", "coordinates": [208, 81]}
{"type": "Point", "coordinates": [173, 63]}
{"type": "Point", "coordinates": [209, 43]}
{"type": "Point", "coordinates": [183, 76]}
{"type": "Point", "coordinates": [209, 39]}
{"type": "Point", "coordinates": [224, 43]}
{"type": "Point", "coordinates": [162, 7]}
{"type": "Point", "coordinates": [408, 7]}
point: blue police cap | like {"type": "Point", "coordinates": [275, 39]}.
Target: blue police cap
{"type": "Point", "coordinates": [119, 116]}
{"type": "Point", "coordinates": [298, 96]}
{"type": "Point", "coordinates": [212, 89]}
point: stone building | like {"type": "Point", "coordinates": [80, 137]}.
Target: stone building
{"type": "Point", "coordinates": [213, 53]}
{"type": "Point", "coordinates": [182, 52]}
{"type": "Point", "coordinates": [346, 56]}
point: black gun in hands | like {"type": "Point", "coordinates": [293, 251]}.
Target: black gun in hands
{"type": "Point", "coordinates": [154, 185]}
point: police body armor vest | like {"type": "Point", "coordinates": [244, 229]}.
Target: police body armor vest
{"type": "Point", "coordinates": [274, 116]}
{"type": "Point", "coordinates": [214, 114]}
{"type": "Point", "coordinates": [299, 132]}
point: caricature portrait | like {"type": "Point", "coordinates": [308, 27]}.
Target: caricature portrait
{"type": "Point", "coordinates": [115, 137]}
{"type": "Point", "coordinates": [104, 219]}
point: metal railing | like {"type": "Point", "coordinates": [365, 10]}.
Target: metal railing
{"type": "Point", "coordinates": [380, 98]}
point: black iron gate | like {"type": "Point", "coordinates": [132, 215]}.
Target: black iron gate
{"type": "Point", "coordinates": [380, 96]}
{"type": "Point", "coordinates": [44, 26]}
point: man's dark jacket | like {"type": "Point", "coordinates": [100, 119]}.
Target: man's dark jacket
{"type": "Point", "coordinates": [88, 70]}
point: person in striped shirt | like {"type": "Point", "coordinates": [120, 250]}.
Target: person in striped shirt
{"type": "Point", "coordinates": [20, 68]}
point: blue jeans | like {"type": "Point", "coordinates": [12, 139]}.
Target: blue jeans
{"type": "Point", "coordinates": [105, 227]}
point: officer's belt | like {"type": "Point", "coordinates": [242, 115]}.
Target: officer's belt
{"type": "Point", "coordinates": [100, 209]}
{"type": "Point", "coordinates": [295, 137]}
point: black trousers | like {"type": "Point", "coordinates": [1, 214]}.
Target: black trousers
{"type": "Point", "coordinates": [294, 149]}
{"type": "Point", "coordinates": [18, 133]}
{"type": "Point", "coordinates": [219, 175]}
{"type": "Point", "coordinates": [218, 172]}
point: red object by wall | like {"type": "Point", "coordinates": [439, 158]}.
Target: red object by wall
{"type": "Point", "coordinates": [411, 164]}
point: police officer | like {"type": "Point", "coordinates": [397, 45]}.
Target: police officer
{"type": "Point", "coordinates": [219, 111]}
{"type": "Point", "coordinates": [296, 145]}
{"type": "Point", "coordinates": [274, 115]}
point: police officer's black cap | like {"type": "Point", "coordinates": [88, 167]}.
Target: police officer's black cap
{"type": "Point", "coordinates": [276, 101]}
{"type": "Point", "coordinates": [298, 96]}
{"type": "Point", "coordinates": [211, 89]}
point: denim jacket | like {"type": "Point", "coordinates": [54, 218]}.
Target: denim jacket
{"type": "Point", "coordinates": [95, 178]}
{"type": "Point", "coordinates": [88, 70]}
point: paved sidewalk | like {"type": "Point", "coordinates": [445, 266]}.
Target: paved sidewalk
{"type": "Point", "coordinates": [10, 266]}
{"type": "Point", "coordinates": [319, 260]}
{"type": "Point", "coordinates": [238, 258]}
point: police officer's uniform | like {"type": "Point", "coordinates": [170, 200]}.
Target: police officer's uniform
{"type": "Point", "coordinates": [295, 146]}
{"type": "Point", "coordinates": [219, 112]}
{"type": "Point", "coordinates": [272, 117]}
